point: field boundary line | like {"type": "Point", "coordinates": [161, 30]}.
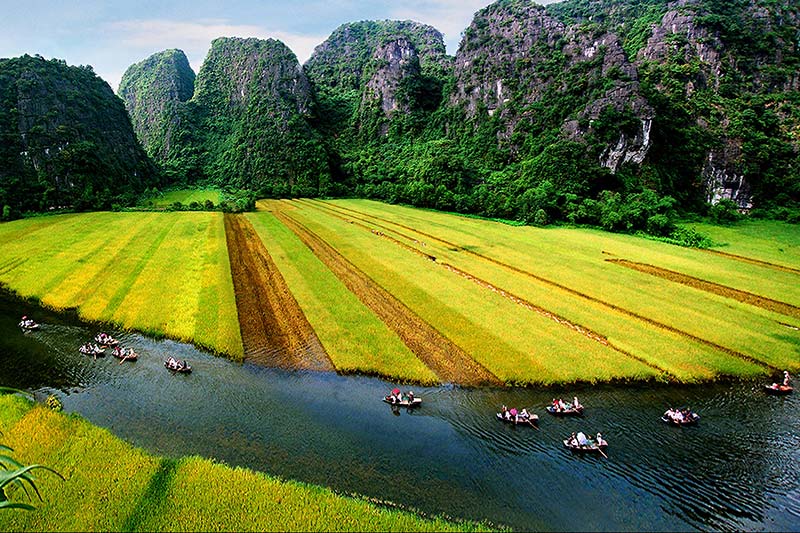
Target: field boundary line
{"type": "Point", "coordinates": [769, 304]}
{"type": "Point", "coordinates": [752, 261]}
{"type": "Point", "coordinates": [555, 317]}
{"type": "Point", "coordinates": [273, 328]}
{"type": "Point", "coordinates": [622, 310]}
{"type": "Point", "coordinates": [445, 358]}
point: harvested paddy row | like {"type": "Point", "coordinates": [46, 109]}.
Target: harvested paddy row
{"type": "Point", "coordinates": [356, 340]}
{"type": "Point", "coordinates": [517, 345]}
{"type": "Point", "coordinates": [446, 359]}
{"type": "Point", "coordinates": [587, 332]}
{"type": "Point", "coordinates": [763, 356]}
{"type": "Point", "coordinates": [753, 261]}
{"type": "Point", "coordinates": [715, 288]}
{"type": "Point", "coordinates": [274, 330]}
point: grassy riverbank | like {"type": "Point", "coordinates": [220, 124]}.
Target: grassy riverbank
{"type": "Point", "coordinates": [112, 486]}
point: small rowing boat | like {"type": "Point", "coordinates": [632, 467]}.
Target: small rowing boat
{"type": "Point", "coordinates": [531, 420]}
{"type": "Point", "coordinates": [582, 444]}
{"type": "Point", "coordinates": [105, 340]}
{"type": "Point", "coordinates": [778, 389]}
{"type": "Point", "coordinates": [391, 400]}
{"type": "Point", "coordinates": [680, 419]}
{"type": "Point", "coordinates": [125, 354]}
{"type": "Point", "coordinates": [177, 366]}
{"type": "Point", "coordinates": [28, 325]}
{"type": "Point", "coordinates": [92, 349]}
{"type": "Point", "coordinates": [569, 411]}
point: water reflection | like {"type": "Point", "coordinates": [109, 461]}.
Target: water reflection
{"type": "Point", "coordinates": [737, 470]}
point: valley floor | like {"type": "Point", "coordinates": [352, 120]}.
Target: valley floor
{"type": "Point", "coordinates": [420, 296]}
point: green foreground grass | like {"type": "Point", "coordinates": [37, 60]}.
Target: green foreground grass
{"type": "Point", "coordinates": [165, 274]}
{"type": "Point", "coordinates": [112, 486]}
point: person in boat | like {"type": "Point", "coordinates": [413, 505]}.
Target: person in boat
{"type": "Point", "coordinates": [581, 439]}
{"type": "Point", "coordinates": [118, 351]}
{"type": "Point", "coordinates": [598, 439]}
{"type": "Point", "coordinates": [575, 403]}
{"type": "Point", "coordinates": [524, 414]}
{"type": "Point", "coordinates": [786, 379]}
{"type": "Point", "coordinates": [573, 440]}
{"type": "Point", "coordinates": [410, 397]}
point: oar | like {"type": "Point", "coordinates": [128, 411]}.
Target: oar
{"type": "Point", "coordinates": [601, 452]}
{"type": "Point", "coordinates": [533, 425]}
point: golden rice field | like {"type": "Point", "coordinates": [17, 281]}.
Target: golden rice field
{"type": "Point", "coordinates": [112, 486]}
{"type": "Point", "coordinates": [521, 305]}
{"type": "Point", "coordinates": [671, 329]}
{"type": "Point", "coordinates": [160, 273]}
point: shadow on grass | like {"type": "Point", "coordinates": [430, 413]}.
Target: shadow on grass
{"type": "Point", "coordinates": [154, 499]}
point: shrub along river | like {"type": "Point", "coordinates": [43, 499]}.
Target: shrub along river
{"type": "Point", "coordinates": [738, 469]}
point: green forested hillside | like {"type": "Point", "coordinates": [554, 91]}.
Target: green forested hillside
{"type": "Point", "coordinates": [620, 114]}
{"type": "Point", "coordinates": [67, 141]}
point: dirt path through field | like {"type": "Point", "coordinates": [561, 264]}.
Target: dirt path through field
{"type": "Point", "coordinates": [275, 332]}
{"type": "Point", "coordinates": [666, 327]}
{"type": "Point", "coordinates": [752, 261]}
{"type": "Point", "coordinates": [449, 362]}
{"type": "Point", "coordinates": [769, 304]}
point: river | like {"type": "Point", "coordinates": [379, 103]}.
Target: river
{"type": "Point", "coordinates": [737, 470]}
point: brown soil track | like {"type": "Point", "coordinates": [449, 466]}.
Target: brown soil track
{"type": "Point", "coordinates": [714, 288]}
{"type": "Point", "coordinates": [569, 290]}
{"type": "Point", "coordinates": [275, 332]}
{"type": "Point", "coordinates": [753, 261]}
{"type": "Point", "coordinates": [583, 330]}
{"type": "Point", "coordinates": [449, 362]}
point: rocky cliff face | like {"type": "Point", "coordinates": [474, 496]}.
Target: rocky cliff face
{"type": "Point", "coordinates": [373, 71]}
{"type": "Point", "coordinates": [153, 91]}
{"type": "Point", "coordinates": [67, 140]}
{"type": "Point", "coordinates": [516, 59]}
{"type": "Point", "coordinates": [730, 63]}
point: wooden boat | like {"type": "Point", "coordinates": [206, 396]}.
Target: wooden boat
{"type": "Point", "coordinates": [183, 368]}
{"type": "Point", "coordinates": [569, 411]}
{"type": "Point", "coordinates": [592, 447]}
{"type": "Point", "coordinates": [692, 420]}
{"type": "Point", "coordinates": [125, 354]}
{"type": "Point", "coordinates": [532, 420]}
{"type": "Point", "coordinates": [416, 402]}
{"type": "Point", "coordinates": [105, 343]}
{"type": "Point", "coordinates": [92, 350]}
{"type": "Point", "coordinates": [778, 389]}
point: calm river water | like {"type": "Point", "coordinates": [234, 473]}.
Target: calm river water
{"type": "Point", "coordinates": [738, 469]}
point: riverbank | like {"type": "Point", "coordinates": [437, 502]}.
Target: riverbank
{"type": "Point", "coordinates": [113, 486]}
